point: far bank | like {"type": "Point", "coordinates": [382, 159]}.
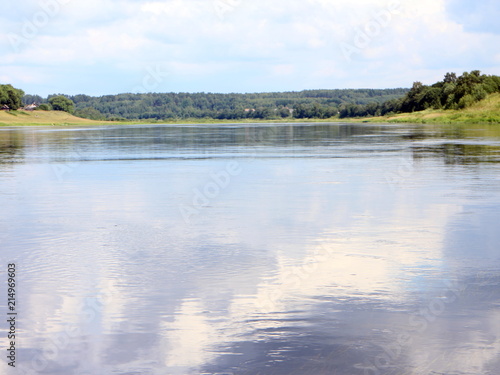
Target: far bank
{"type": "Point", "coordinates": [486, 111]}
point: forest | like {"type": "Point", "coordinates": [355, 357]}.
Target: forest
{"type": "Point", "coordinates": [273, 105]}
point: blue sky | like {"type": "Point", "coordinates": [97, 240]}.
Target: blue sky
{"type": "Point", "coordinates": [99, 47]}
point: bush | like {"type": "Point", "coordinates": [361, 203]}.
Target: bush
{"type": "Point", "coordinates": [479, 93]}
{"type": "Point", "coordinates": [44, 107]}
{"type": "Point", "coordinates": [90, 113]}
{"type": "Point", "coordinates": [62, 103]}
{"type": "Point", "coordinates": [466, 101]}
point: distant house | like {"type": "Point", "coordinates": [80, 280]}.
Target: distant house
{"type": "Point", "coordinates": [5, 107]}
{"type": "Point", "coordinates": [30, 107]}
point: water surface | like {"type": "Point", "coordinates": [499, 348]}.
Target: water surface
{"type": "Point", "coordinates": [253, 249]}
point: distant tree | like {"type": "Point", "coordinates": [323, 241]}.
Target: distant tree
{"type": "Point", "coordinates": [466, 101]}
{"type": "Point", "coordinates": [62, 103]}
{"type": "Point", "coordinates": [479, 93]}
{"type": "Point", "coordinates": [283, 112]}
{"type": "Point", "coordinates": [30, 99]}
{"type": "Point", "coordinates": [450, 78]}
{"type": "Point", "coordinates": [90, 113]}
{"type": "Point", "coordinates": [306, 104]}
{"type": "Point", "coordinates": [11, 96]}
{"type": "Point", "coordinates": [391, 106]}
{"type": "Point", "coordinates": [430, 98]}
{"type": "Point", "coordinates": [372, 109]}
{"type": "Point", "coordinates": [412, 101]}
{"type": "Point", "coordinates": [80, 98]}
{"type": "Point", "coordinates": [44, 107]}
{"type": "Point", "coordinates": [300, 111]}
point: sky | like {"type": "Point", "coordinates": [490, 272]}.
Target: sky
{"type": "Point", "coordinates": [99, 47]}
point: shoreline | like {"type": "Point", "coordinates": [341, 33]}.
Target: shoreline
{"type": "Point", "coordinates": [370, 120]}
{"type": "Point", "coordinates": [401, 119]}
{"type": "Point", "coordinates": [398, 119]}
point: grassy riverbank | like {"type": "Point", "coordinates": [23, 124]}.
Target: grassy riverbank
{"type": "Point", "coordinates": [20, 117]}
{"type": "Point", "coordinates": [486, 111]}
{"type": "Point", "coordinates": [58, 118]}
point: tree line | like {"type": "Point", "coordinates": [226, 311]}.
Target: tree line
{"type": "Point", "coordinates": [451, 93]}
{"type": "Point", "coordinates": [163, 106]}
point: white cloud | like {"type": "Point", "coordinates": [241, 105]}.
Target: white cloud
{"type": "Point", "coordinates": [283, 69]}
{"type": "Point", "coordinates": [255, 38]}
{"type": "Point", "coordinates": [182, 10]}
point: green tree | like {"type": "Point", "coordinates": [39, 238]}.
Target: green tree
{"type": "Point", "coordinates": [44, 107]}
{"type": "Point", "coordinates": [90, 113]}
{"type": "Point", "coordinates": [466, 101]}
{"type": "Point", "coordinates": [30, 99]}
{"type": "Point", "coordinates": [62, 103]}
{"type": "Point", "coordinates": [430, 98]}
{"type": "Point", "coordinates": [450, 78]}
{"type": "Point", "coordinates": [413, 100]}
{"type": "Point", "coordinates": [11, 96]}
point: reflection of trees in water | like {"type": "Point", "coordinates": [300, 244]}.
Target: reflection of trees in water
{"type": "Point", "coordinates": [459, 153]}
{"type": "Point", "coordinates": [11, 147]}
{"type": "Point", "coordinates": [205, 137]}
{"type": "Point", "coordinates": [455, 144]}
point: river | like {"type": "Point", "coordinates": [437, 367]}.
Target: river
{"type": "Point", "coordinates": [321, 248]}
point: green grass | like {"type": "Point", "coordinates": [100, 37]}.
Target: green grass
{"type": "Point", "coordinates": [486, 111]}
{"type": "Point", "coordinates": [58, 118]}
{"type": "Point", "coordinates": [20, 117]}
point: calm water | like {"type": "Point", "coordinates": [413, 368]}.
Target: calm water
{"type": "Point", "coordinates": [252, 249]}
